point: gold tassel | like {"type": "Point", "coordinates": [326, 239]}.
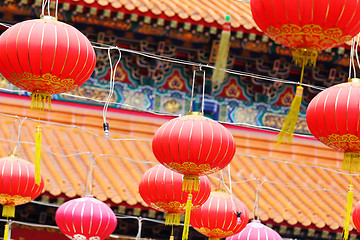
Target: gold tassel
{"type": "Point", "coordinates": [39, 100]}
{"type": "Point", "coordinates": [305, 57]}
{"type": "Point", "coordinates": [351, 162]}
{"type": "Point", "coordinates": [37, 154]}
{"type": "Point", "coordinates": [190, 184]}
{"type": "Point", "coordinates": [348, 211]}
{"type": "Point", "coordinates": [172, 219]}
{"type": "Point", "coordinates": [6, 231]}
{"type": "Point", "coordinates": [288, 128]}
{"type": "Point", "coordinates": [8, 211]}
{"type": "Point", "coordinates": [171, 238]}
{"type": "Point", "coordinates": [222, 53]}
{"type": "Point", "coordinates": [188, 207]}
{"type": "Point", "coordinates": [211, 238]}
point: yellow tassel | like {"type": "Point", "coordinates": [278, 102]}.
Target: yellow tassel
{"type": "Point", "coordinates": [39, 100]}
{"type": "Point", "coordinates": [37, 154]}
{"type": "Point", "coordinates": [8, 211]}
{"type": "Point", "coordinates": [171, 238]}
{"type": "Point", "coordinates": [6, 232]}
{"type": "Point", "coordinates": [222, 54]}
{"type": "Point", "coordinates": [351, 162]}
{"type": "Point", "coordinates": [172, 219]}
{"type": "Point", "coordinates": [348, 211]}
{"type": "Point", "coordinates": [288, 128]}
{"type": "Point", "coordinates": [305, 57]}
{"type": "Point", "coordinates": [190, 184]}
{"type": "Point", "coordinates": [187, 217]}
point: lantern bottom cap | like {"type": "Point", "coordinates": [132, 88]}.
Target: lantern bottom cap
{"type": "Point", "coordinates": [8, 211]}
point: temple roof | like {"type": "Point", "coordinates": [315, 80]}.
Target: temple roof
{"type": "Point", "coordinates": [207, 12]}
{"type": "Point", "coordinates": [302, 186]}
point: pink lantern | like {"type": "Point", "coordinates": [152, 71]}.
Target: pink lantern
{"type": "Point", "coordinates": [256, 231]}
{"type": "Point", "coordinates": [85, 219]}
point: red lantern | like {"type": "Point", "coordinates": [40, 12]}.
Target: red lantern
{"type": "Point", "coordinates": [333, 118]}
{"type": "Point", "coordinates": [307, 26]}
{"type": "Point", "coordinates": [18, 185]}
{"type": "Point", "coordinates": [256, 231]}
{"type": "Point", "coordinates": [193, 145]}
{"type": "Point", "coordinates": [161, 189]}
{"type": "Point", "coordinates": [85, 218]}
{"type": "Point", "coordinates": [356, 216]}
{"type": "Point", "coordinates": [220, 216]}
{"type": "Point", "coordinates": [45, 57]}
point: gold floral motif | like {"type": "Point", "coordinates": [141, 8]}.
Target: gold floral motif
{"type": "Point", "coordinates": [46, 83]}
{"type": "Point", "coordinates": [193, 169]}
{"type": "Point", "coordinates": [169, 207]}
{"type": "Point", "coordinates": [214, 233]}
{"type": "Point", "coordinates": [346, 142]}
{"type": "Point", "coordinates": [6, 199]}
{"type": "Point", "coordinates": [232, 91]}
{"type": "Point", "coordinates": [292, 35]}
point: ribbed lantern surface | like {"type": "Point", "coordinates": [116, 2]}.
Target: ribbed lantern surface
{"type": "Point", "coordinates": [86, 219]}
{"type": "Point", "coordinates": [220, 216]}
{"type": "Point", "coordinates": [256, 231]}
{"type": "Point", "coordinates": [161, 189]}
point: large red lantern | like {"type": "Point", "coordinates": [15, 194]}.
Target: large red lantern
{"type": "Point", "coordinates": [45, 57]}
{"type": "Point", "coordinates": [193, 145]}
{"type": "Point", "coordinates": [85, 218]}
{"type": "Point", "coordinates": [333, 118]}
{"type": "Point", "coordinates": [256, 231]}
{"type": "Point", "coordinates": [220, 216]}
{"type": "Point", "coordinates": [161, 189]}
{"type": "Point", "coordinates": [17, 185]}
{"type": "Point", "coordinates": [307, 26]}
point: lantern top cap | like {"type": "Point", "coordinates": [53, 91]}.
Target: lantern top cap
{"type": "Point", "coordinates": [48, 17]}
{"type": "Point", "coordinates": [354, 80]}
{"type": "Point", "coordinates": [196, 113]}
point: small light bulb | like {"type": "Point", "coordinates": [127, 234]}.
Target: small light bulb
{"type": "Point", "coordinates": [106, 130]}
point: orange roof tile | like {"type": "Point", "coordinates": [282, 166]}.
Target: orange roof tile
{"type": "Point", "coordinates": [294, 194]}
{"type": "Point", "coordinates": [207, 11]}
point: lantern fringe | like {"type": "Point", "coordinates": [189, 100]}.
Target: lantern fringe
{"type": "Point", "coordinates": [8, 211]}
{"type": "Point", "coordinates": [37, 154]}
{"type": "Point", "coordinates": [6, 231]}
{"type": "Point", "coordinates": [351, 162]}
{"type": "Point", "coordinates": [39, 100]}
{"type": "Point", "coordinates": [190, 184]}
{"type": "Point", "coordinates": [172, 219]}
{"type": "Point", "coordinates": [305, 57]}
{"type": "Point", "coordinates": [222, 53]}
{"type": "Point", "coordinates": [188, 207]}
{"type": "Point", "coordinates": [288, 128]}
{"type": "Point", "coordinates": [211, 238]}
{"type": "Point", "coordinates": [348, 211]}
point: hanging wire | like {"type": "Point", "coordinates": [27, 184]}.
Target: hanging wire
{"type": "Point", "coordinates": [90, 177]}
{"type": "Point", "coordinates": [56, 9]}
{"type": "Point", "coordinates": [192, 91]}
{"type": "Point", "coordinates": [203, 90]}
{"type": "Point", "coordinates": [17, 146]}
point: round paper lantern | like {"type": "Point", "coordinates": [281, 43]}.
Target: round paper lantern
{"type": "Point", "coordinates": [308, 25]}
{"type": "Point", "coordinates": [356, 216]}
{"type": "Point", "coordinates": [256, 231]}
{"type": "Point", "coordinates": [193, 145]}
{"type": "Point", "coordinates": [17, 184]}
{"type": "Point", "coordinates": [220, 216]}
{"type": "Point", "coordinates": [85, 218]}
{"type": "Point", "coordinates": [45, 57]}
{"type": "Point", "coordinates": [161, 189]}
{"type": "Point", "coordinates": [333, 118]}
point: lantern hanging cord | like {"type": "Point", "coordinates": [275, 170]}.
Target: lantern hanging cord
{"type": "Point", "coordinates": [44, 3]}
{"type": "Point", "coordinates": [90, 177]}
{"type": "Point", "coordinates": [192, 91]}
{"type": "Point", "coordinates": [351, 59]}
{"type": "Point", "coordinates": [357, 54]}
{"type": "Point", "coordinates": [138, 236]}
{"type": "Point", "coordinates": [111, 89]}
{"type": "Point", "coordinates": [17, 146]}
{"type": "Point", "coordinates": [203, 90]}
{"type": "Point", "coordinates": [257, 196]}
